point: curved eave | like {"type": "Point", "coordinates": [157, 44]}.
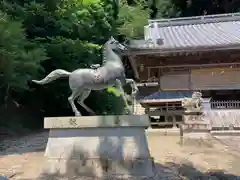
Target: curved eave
{"type": "Point", "coordinates": [168, 51]}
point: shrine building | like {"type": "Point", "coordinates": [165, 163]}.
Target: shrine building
{"type": "Point", "coordinates": [181, 55]}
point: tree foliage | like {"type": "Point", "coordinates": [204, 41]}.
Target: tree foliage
{"type": "Point", "coordinates": [132, 18]}
{"type": "Point", "coordinates": [71, 34]}
{"type": "Point", "coordinates": [20, 58]}
{"type": "Point", "coordinates": [183, 8]}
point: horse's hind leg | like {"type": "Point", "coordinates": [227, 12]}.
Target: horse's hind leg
{"type": "Point", "coordinates": [81, 99]}
{"type": "Point", "coordinates": [119, 87]}
{"type": "Point", "coordinates": [71, 101]}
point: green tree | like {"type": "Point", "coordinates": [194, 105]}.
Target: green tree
{"type": "Point", "coordinates": [20, 58]}
{"type": "Point", "coordinates": [164, 9]}
{"type": "Point", "coordinates": [19, 62]}
{"type": "Point", "coordinates": [133, 16]}
{"type": "Point", "coordinates": [183, 8]}
{"type": "Point", "coordinates": [72, 33]}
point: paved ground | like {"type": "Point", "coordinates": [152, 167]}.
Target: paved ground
{"type": "Point", "coordinates": [189, 159]}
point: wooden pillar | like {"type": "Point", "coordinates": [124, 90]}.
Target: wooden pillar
{"type": "Point", "coordinates": [183, 120]}
{"type": "Point", "coordinates": [174, 121]}
{"type": "Point", "coordinates": [189, 79]}
{"type": "Point", "coordinates": [165, 118]}
{"type": "Point", "coordinates": [159, 80]}
{"type": "Point", "coordinates": [148, 73]}
{"type": "Point", "coordinates": [132, 60]}
{"type": "Point", "coordinates": [146, 110]}
{"type": "Point", "coordinates": [134, 105]}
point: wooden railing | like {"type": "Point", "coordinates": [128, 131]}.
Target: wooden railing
{"type": "Point", "coordinates": [225, 104]}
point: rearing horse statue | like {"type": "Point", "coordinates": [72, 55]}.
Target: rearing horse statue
{"type": "Point", "coordinates": [82, 81]}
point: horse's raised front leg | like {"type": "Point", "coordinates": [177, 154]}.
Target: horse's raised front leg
{"type": "Point", "coordinates": [71, 101]}
{"type": "Point", "coordinates": [119, 87]}
{"type": "Point", "coordinates": [133, 86]}
{"type": "Point", "coordinates": [81, 99]}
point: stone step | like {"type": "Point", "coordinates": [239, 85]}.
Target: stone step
{"type": "Point", "coordinates": [163, 132]}
{"type": "Point", "coordinates": [225, 133]}
{"type": "Point", "coordinates": [196, 135]}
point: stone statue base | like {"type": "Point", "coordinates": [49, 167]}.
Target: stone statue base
{"type": "Point", "coordinates": [92, 147]}
{"type": "Point", "coordinates": [195, 126]}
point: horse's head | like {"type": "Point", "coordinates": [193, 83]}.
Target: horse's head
{"type": "Point", "coordinates": [114, 44]}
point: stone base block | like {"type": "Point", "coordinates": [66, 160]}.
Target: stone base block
{"type": "Point", "coordinates": [192, 118]}
{"type": "Point", "coordinates": [99, 148]}
{"type": "Point", "coordinates": [195, 123]}
{"type": "Point", "coordinates": [96, 122]}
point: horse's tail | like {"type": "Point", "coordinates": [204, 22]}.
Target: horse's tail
{"type": "Point", "coordinates": [53, 76]}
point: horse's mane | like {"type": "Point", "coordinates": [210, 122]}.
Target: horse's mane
{"type": "Point", "coordinates": [109, 53]}
{"type": "Point", "coordinates": [104, 50]}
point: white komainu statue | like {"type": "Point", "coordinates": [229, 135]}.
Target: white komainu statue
{"type": "Point", "coordinates": [194, 104]}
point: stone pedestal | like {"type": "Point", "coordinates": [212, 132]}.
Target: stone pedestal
{"type": "Point", "coordinates": [195, 123]}
{"type": "Point", "coordinates": [194, 126]}
{"type": "Point", "coordinates": [91, 147]}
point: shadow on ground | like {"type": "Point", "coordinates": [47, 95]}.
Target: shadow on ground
{"type": "Point", "coordinates": [72, 168]}
{"type": "Point", "coordinates": [32, 142]}
{"type": "Point", "coordinates": [169, 171]}
{"type": "Point", "coordinates": [188, 171]}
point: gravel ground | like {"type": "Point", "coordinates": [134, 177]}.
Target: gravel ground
{"type": "Point", "coordinates": [22, 158]}
{"type": "Point", "coordinates": [231, 141]}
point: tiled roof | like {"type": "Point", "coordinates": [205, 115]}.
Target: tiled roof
{"type": "Point", "coordinates": [191, 33]}
{"type": "Point", "coordinates": [168, 95]}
